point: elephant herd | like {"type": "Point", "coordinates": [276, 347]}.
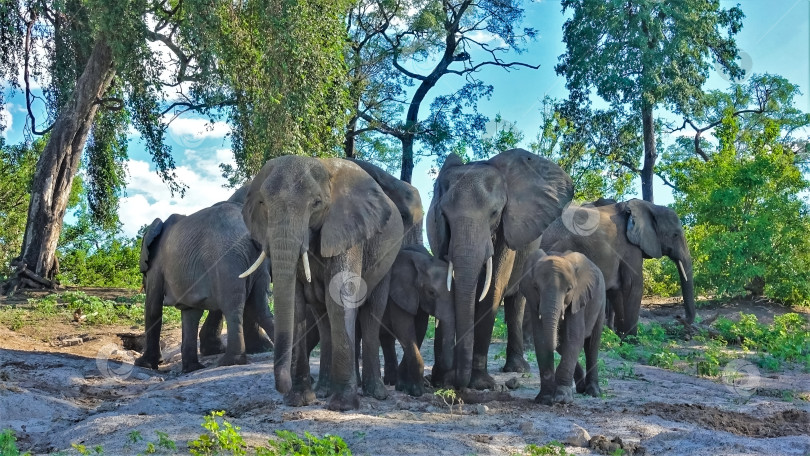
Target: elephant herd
{"type": "Point", "coordinates": [341, 242]}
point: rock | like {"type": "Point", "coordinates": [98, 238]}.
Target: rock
{"type": "Point", "coordinates": [526, 427]}
{"type": "Point", "coordinates": [512, 383]}
{"type": "Point", "coordinates": [578, 437]}
{"type": "Point", "coordinates": [142, 376]}
{"type": "Point", "coordinates": [481, 409]}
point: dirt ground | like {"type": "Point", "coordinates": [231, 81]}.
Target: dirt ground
{"type": "Point", "coordinates": [65, 383]}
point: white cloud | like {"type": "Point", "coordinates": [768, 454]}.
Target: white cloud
{"type": "Point", "coordinates": [488, 38]}
{"type": "Point", "coordinates": [147, 197]}
{"type": "Point", "coordinates": [6, 120]}
{"type": "Point", "coordinates": [191, 132]}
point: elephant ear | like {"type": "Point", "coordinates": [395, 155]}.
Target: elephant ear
{"type": "Point", "coordinates": [149, 237]}
{"type": "Point", "coordinates": [641, 227]}
{"type": "Point", "coordinates": [537, 192]}
{"type": "Point", "coordinates": [358, 210]}
{"type": "Point", "coordinates": [588, 279]}
{"type": "Point", "coordinates": [436, 226]}
{"type": "Point", "coordinates": [404, 282]}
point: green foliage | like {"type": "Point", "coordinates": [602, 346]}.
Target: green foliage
{"type": "Point", "coordinates": [17, 164]}
{"type": "Point", "coordinates": [8, 444]}
{"type": "Point", "coordinates": [221, 438]}
{"type": "Point", "coordinates": [289, 443]}
{"type": "Point", "coordinates": [787, 339]}
{"type": "Point", "coordinates": [552, 448]}
{"type": "Point", "coordinates": [661, 277]}
{"type": "Point", "coordinates": [745, 218]}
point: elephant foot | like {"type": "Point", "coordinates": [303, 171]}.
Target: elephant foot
{"type": "Point", "coordinates": [564, 395]}
{"type": "Point", "coordinates": [579, 378]}
{"type": "Point", "coordinates": [544, 398]}
{"type": "Point", "coordinates": [481, 380]}
{"type": "Point", "coordinates": [192, 366]}
{"type": "Point", "coordinates": [375, 388]}
{"type": "Point", "coordinates": [214, 347]}
{"type": "Point", "coordinates": [344, 400]}
{"type": "Point", "coordinates": [593, 390]}
{"type": "Point", "coordinates": [411, 389]}
{"type": "Point", "coordinates": [390, 377]}
{"type": "Point", "coordinates": [263, 345]}
{"type": "Point", "coordinates": [149, 362]}
{"type": "Point", "coordinates": [322, 389]}
{"type": "Point", "coordinates": [299, 397]}
{"type": "Point", "coordinates": [516, 363]}
{"type": "Point", "coordinates": [229, 360]}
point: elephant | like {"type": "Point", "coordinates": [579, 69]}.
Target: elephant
{"type": "Point", "coordinates": [565, 295]}
{"type": "Point", "coordinates": [617, 237]}
{"type": "Point", "coordinates": [489, 212]}
{"type": "Point", "coordinates": [189, 262]}
{"type": "Point", "coordinates": [333, 211]}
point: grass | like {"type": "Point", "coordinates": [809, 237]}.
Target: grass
{"type": "Point", "coordinates": [552, 448]}
{"type": "Point", "coordinates": [79, 307]}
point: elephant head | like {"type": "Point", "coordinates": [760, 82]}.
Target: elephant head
{"type": "Point", "coordinates": [556, 285]}
{"type": "Point", "coordinates": [509, 198]}
{"type": "Point", "coordinates": [296, 205]}
{"type": "Point", "coordinates": [657, 231]}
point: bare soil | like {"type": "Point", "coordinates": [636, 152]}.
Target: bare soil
{"type": "Point", "coordinates": [54, 393]}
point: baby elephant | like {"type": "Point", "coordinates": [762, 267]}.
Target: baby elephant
{"type": "Point", "coordinates": [565, 296]}
{"type": "Point", "coordinates": [418, 289]}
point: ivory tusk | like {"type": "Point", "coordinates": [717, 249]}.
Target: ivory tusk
{"type": "Point", "coordinates": [683, 271]}
{"type": "Point", "coordinates": [307, 273]}
{"type": "Point", "coordinates": [449, 276]}
{"type": "Point", "coordinates": [254, 266]}
{"type": "Point", "coordinates": [488, 279]}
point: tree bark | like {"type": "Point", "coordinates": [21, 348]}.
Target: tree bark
{"type": "Point", "coordinates": [647, 171]}
{"type": "Point", "coordinates": [58, 165]}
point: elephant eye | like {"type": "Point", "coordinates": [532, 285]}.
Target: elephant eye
{"type": "Point", "coordinates": [317, 202]}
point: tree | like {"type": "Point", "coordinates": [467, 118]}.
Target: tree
{"type": "Point", "coordinates": [741, 199]}
{"type": "Point", "coordinates": [644, 53]}
{"type": "Point", "coordinates": [17, 165]}
{"type": "Point", "coordinates": [443, 36]}
{"type": "Point", "coordinates": [99, 74]}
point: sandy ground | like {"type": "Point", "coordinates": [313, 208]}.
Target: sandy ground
{"type": "Point", "coordinates": [53, 395]}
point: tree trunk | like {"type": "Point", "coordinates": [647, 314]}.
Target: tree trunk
{"type": "Point", "coordinates": [648, 125]}
{"type": "Point", "coordinates": [349, 138]}
{"type": "Point", "coordinates": [407, 157]}
{"type": "Point", "coordinates": [56, 168]}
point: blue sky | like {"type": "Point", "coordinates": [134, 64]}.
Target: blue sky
{"type": "Point", "coordinates": [775, 38]}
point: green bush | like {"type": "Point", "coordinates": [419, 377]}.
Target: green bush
{"type": "Point", "coordinates": [661, 278]}
{"type": "Point", "coordinates": [8, 444]}
{"type": "Point", "coordinates": [114, 264]}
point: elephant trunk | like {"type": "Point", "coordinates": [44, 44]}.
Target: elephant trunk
{"type": "Point", "coordinates": [687, 287]}
{"type": "Point", "coordinates": [448, 328]}
{"type": "Point", "coordinates": [285, 252]}
{"type": "Point", "coordinates": [551, 310]}
{"type": "Point", "coordinates": [466, 281]}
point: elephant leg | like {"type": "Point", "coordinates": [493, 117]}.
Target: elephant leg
{"type": "Point", "coordinates": [322, 326]}
{"type": "Point", "coordinates": [633, 290]}
{"type": "Point", "coordinates": [301, 392]}
{"type": "Point", "coordinates": [420, 324]}
{"type": "Point", "coordinates": [371, 314]}
{"type": "Point", "coordinates": [235, 350]}
{"type": "Point", "coordinates": [153, 317]}
{"type": "Point", "coordinates": [442, 373]}
{"type": "Point", "coordinates": [528, 332]}
{"type": "Point", "coordinates": [257, 315]}
{"type": "Point", "coordinates": [569, 348]}
{"type": "Point", "coordinates": [485, 312]}
{"type": "Point", "coordinates": [210, 332]}
{"type": "Point", "coordinates": [514, 307]}
{"type": "Point", "coordinates": [413, 381]}
{"type": "Point", "coordinates": [313, 333]}
{"type": "Point", "coordinates": [389, 356]}
{"type": "Point", "coordinates": [615, 300]}
{"type": "Point", "coordinates": [342, 311]}
{"type": "Point", "coordinates": [188, 348]}
{"type": "Point", "coordinates": [592, 359]}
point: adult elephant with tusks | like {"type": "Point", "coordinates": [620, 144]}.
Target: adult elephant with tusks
{"type": "Point", "coordinates": [332, 236]}
{"type": "Point", "coordinates": [484, 219]}
{"type": "Point", "coordinates": [617, 237]}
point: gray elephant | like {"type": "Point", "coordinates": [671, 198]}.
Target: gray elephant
{"type": "Point", "coordinates": [332, 211]}
{"type": "Point", "coordinates": [617, 237]}
{"type": "Point", "coordinates": [190, 262]}
{"type": "Point", "coordinates": [565, 294]}
{"type": "Point", "coordinates": [489, 213]}
{"type": "Point", "coordinates": [418, 290]}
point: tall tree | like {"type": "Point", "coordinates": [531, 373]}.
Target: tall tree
{"type": "Point", "coordinates": [103, 65]}
{"type": "Point", "coordinates": [645, 53]}
{"type": "Point", "coordinates": [422, 41]}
